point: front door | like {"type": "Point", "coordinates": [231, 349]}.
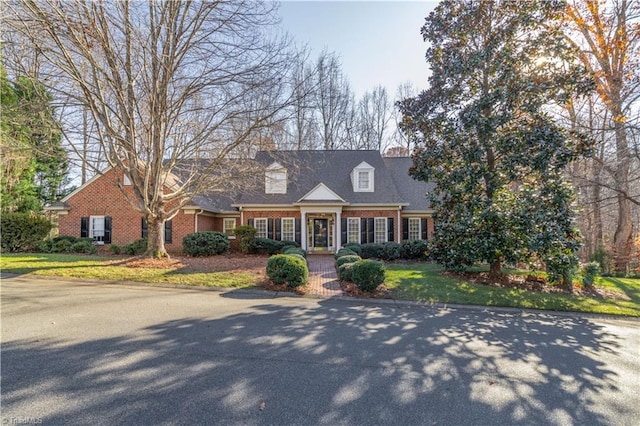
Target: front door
{"type": "Point", "coordinates": [320, 234]}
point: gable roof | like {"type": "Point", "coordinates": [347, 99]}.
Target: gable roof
{"type": "Point", "coordinates": [413, 191]}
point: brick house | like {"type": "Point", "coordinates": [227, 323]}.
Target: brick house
{"type": "Point", "coordinates": [321, 199]}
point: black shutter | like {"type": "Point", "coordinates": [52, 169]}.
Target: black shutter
{"type": "Point", "coordinates": [390, 230]}
{"type": "Point", "coordinates": [270, 229]}
{"type": "Point", "coordinates": [144, 228]}
{"type": "Point", "coordinates": [168, 231]}
{"type": "Point", "coordinates": [298, 231]}
{"type": "Point", "coordinates": [277, 233]}
{"type": "Point", "coordinates": [343, 230]}
{"type": "Point", "coordinates": [107, 229]}
{"type": "Point", "coordinates": [371, 230]}
{"type": "Point", "coordinates": [363, 230]}
{"type": "Point", "coordinates": [423, 225]}
{"type": "Point", "coordinates": [84, 227]}
{"type": "Point", "coordinates": [405, 228]}
{"type": "Point", "coordinates": [250, 222]}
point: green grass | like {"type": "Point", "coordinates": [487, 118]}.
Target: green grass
{"type": "Point", "coordinates": [423, 282]}
{"type": "Point", "coordinates": [95, 267]}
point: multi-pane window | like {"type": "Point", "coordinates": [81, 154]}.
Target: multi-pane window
{"type": "Point", "coordinates": [380, 234]}
{"type": "Point", "coordinates": [288, 229]}
{"type": "Point", "coordinates": [228, 226]}
{"type": "Point", "coordinates": [261, 227]}
{"type": "Point", "coordinates": [96, 230]}
{"type": "Point", "coordinates": [353, 230]}
{"type": "Point", "coordinates": [276, 182]}
{"type": "Point", "coordinates": [414, 228]}
{"type": "Point", "coordinates": [363, 180]}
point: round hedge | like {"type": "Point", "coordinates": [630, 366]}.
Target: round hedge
{"type": "Point", "coordinates": [344, 252]}
{"type": "Point", "coordinates": [287, 268]}
{"type": "Point", "coordinates": [367, 274]}
{"type": "Point", "coordinates": [206, 243]}
{"type": "Point", "coordinates": [350, 258]}
{"type": "Point", "coordinates": [345, 270]}
{"type": "Point", "coordinates": [294, 250]}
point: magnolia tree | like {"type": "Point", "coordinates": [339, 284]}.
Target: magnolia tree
{"type": "Point", "coordinates": [485, 134]}
{"type": "Point", "coordinates": [163, 81]}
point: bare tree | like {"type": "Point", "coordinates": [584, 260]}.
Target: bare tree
{"type": "Point", "coordinates": [333, 99]}
{"type": "Point", "coordinates": [611, 49]}
{"type": "Point", "coordinates": [164, 81]}
{"type": "Point", "coordinates": [404, 91]}
{"type": "Point", "coordinates": [374, 116]}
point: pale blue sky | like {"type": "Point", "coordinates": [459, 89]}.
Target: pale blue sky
{"type": "Point", "coordinates": [378, 42]}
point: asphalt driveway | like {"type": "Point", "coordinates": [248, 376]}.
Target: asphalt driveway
{"type": "Point", "coordinates": [88, 353]}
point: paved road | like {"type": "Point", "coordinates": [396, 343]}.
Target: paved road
{"type": "Point", "coordinates": [83, 354]}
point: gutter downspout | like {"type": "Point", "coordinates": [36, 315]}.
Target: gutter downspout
{"type": "Point", "coordinates": [196, 220]}
{"type": "Point", "coordinates": [399, 227]}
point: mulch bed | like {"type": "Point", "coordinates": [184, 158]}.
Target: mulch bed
{"type": "Point", "coordinates": [352, 290]}
{"type": "Point", "coordinates": [219, 263]}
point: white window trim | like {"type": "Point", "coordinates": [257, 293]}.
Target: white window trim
{"type": "Point", "coordinates": [275, 179]}
{"type": "Point", "coordinates": [363, 167]}
{"type": "Point", "coordinates": [231, 236]}
{"type": "Point", "coordinates": [357, 222]}
{"type": "Point", "coordinates": [91, 229]}
{"type": "Point", "coordinates": [266, 226]}
{"type": "Point", "coordinates": [419, 228]}
{"type": "Point", "coordinates": [293, 221]}
{"type": "Point", "coordinates": [375, 229]}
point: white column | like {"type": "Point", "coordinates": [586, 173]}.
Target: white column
{"type": "Point", "coordinates": [338, 237]}
{"type": "Point", "coordinates": [303, 231]}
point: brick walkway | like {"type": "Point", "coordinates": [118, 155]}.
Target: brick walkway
{"type": "Point", "coordinates": [323, 280]}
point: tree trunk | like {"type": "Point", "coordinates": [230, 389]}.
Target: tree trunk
{"type": "Point", "coordinates": [495, 271]}
{"type": "Point", "coordinates": [622, 239]}
{"type": "Point", "coordinates": [155, 238]}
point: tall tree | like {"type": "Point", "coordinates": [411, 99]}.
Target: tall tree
{"type": "Point", "coordinates": [611, 50]}
{"type": "Point", "coordinates": [485, 137]}
{"type": "Point", "coordinates": [34, 162]}
{"type": "Point", "coordinates": [333, 101]}
{"type": "Point", "coordinates": [165, 81]}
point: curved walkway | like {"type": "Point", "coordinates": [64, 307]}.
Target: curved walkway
{"type": "Point", "coordinates": [323, 279]}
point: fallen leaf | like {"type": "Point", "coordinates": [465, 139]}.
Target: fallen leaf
{"type": "Point", "coordinates": [262, 406]}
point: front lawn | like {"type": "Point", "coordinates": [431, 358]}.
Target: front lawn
{"type": "Point", "coordinates": [128, 269]}
{"type": "Point", "coordinates": [425, 282]}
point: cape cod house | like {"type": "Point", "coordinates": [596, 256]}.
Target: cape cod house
{"type": "Point", "coordinates": [321, 199]}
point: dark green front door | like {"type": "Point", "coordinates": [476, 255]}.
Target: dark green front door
{"type": "Point", "coordinates": [320, 234]}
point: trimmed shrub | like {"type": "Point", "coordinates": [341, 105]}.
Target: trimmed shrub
{"type": "Point", "coordinates": [135, 248]}
{"type": "Point", "coordinates": [83, 246]}
{"type": "Point", "coordinates": [45, 246]}
{"type": "Point", "coordinates": [287, 268]}
{"type": "Point", "coordinates": [69, 238]}
{"type": "Point", "coordinates": [354, 247]}
{"type": "Point", "coordinates": [344, 252]}
{"type": "Point", "coordinates": [589, 272]}
{"type": "Point", "coordinates": [269, 246]}
{"type": "Point", "coordinates": [391, 251]}
{"type": "Point", "coordinates": [206, 243]}
{"type": "Point", "coordinates": [347, 259]}
{"type": "Point", "coordinates": [62, 246]}
{"type": "Point", "coordinates": [22, 231]}
{"type": "Point", "coordinates": [372, 250]}
{"type": "Point", "coordinates": [345, 271]}
{"type": "Point", "coordinates": [295, 250]}
{"type": "Point", "coordinates": [299, 256]}
{"type": "Point", "coordinates": [367, 274]}
{"type": "Point", "coordinates": [246, 235]}
{"type": "Point", "coordinates": [415, 249]}
{"type": "Point", "coordinates": [115, 249]}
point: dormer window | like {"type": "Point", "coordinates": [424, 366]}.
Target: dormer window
{"type": "Point", "coordinates": [275, 181]}
{"type": "Point", "coordinates": [362, 178]}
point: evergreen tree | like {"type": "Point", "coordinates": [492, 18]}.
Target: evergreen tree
{"type": "Point", "coordinates": [34, 162]}
{"type": "Point", "coordinates": [486, 136]}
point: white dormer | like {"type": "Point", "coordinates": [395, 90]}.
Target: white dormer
{"type": "Point", "coordinates": [275, 179]}
{"type": "Point", "coordinates": [362, 177]}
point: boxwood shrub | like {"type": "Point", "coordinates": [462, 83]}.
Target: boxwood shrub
{"type": "Point", "coordinates": [354, 247]}
{"type": "Point", "coordinates": [246, 235]}
{"type": "Point", "coordinates": [367, 274]}
{"type": "Point", "coordinates": [294, 250]}
{"type": "Point", "coordinates": [372, 250]}
{"type": "Point", "coordinates": [206, 243]}
{"type": "Point", "coordinates": [288, 268]}
{"type": "Point", "coordinates": [415, 249]}
{"type": "Point", "coordinates": [22, 231]}
{"type": "Point", "coordinates": [135, 248]}
{"type": "Point", "coordinates": [269, 246]}
{"type": "Point", "coordinates": [345, 270]}
{"type": "Point", "coordinates": [350, 258]}
{"type": "Point", "coordinates": [344, 252]}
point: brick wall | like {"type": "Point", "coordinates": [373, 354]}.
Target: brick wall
{"type": "Point", "coordinates": [102, 197]}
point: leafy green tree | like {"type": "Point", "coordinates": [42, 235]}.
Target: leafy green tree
{"type": "Point", "coordinates": [34, 162]}
{"type": "Point", "coordinates": [485, 134]}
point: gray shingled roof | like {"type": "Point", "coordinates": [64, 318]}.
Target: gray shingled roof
{"type": "Point", "coordinates": [411, 190]}
{"type": "Point", "coordinates": [307, 169]}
